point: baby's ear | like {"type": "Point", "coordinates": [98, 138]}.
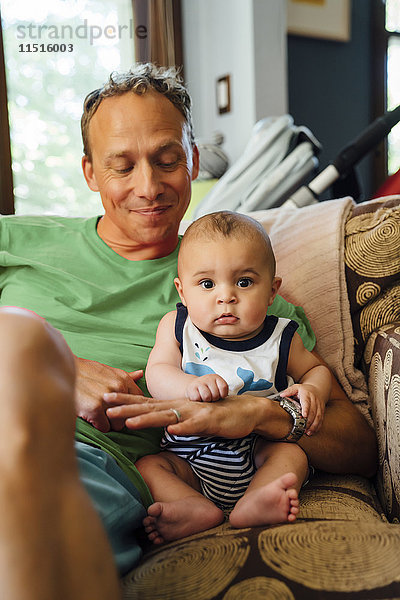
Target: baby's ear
{"type": "Point", "coordinates": [178, 285]}
{"type": "Point", "coordinates": [276, 284]}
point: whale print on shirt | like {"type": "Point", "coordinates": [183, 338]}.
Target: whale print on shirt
{"type": "Point", "coordinates": [245, 375]}
{"type": "Point", "coordinates": [249, 383]}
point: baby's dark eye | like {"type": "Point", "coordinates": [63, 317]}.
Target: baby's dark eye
{"type": "Point", "coordinates": [207, 284]}
{"type": "Point", "coordinates": [244, 282]}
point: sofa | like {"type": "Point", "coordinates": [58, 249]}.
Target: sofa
{"type": "Point", "coordinates": [341, 262]}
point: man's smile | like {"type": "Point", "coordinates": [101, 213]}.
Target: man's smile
{"type": "Point", "coordinates": [151, 210]}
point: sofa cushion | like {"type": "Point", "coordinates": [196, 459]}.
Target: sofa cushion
{"type": "Point", "coordinates": [382, 355]}
{"type": "Point", "coordinates": [340, 543]}
{"type": "Point", "coordinates": [372, 259]}
{"type": "Point", "coordinates": [309, 248]}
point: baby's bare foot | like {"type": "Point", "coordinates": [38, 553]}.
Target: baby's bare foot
{"type": "Point", "coordinates": [167, 521]}
{"type": "Point", "coordinates": [275, 502]}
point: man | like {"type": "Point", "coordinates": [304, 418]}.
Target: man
{"type": "Point", "coordinates": [105, 283]}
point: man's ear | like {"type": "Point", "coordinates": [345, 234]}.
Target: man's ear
{"type": "Point", "coordinates": [88, 173]}
{"type": "Point", "coordinates": [196, 162]}
{"type": "Point", "coordinates": [179, 289]}
{"type": "Point", "coordinates": [276, 284]}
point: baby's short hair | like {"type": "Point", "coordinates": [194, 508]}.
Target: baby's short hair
{"type": "Point", "coordinates": [229, 225]}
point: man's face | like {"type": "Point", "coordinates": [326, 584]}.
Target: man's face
{"type": "Point", "coordinates": [142, 164]}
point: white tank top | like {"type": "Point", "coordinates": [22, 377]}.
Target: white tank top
{"type": "Point", "coordinates": [256, 366]}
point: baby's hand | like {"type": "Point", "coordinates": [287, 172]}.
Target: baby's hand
{"type": "Point", "coordinates": [312, 405]}
{"type": "Point", "coordinates": [207, 388]}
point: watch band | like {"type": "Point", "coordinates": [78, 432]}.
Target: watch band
{"type": "Point", "coordinates": [293, 407]}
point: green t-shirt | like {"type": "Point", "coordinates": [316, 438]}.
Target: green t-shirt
{"type": "Point", "coordinates": [106, 307]}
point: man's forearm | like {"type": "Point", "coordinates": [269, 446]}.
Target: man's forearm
{"type": "Point", "coordinates": [344, 444]}
{"type": "Point", "coordinates": [274, 422]}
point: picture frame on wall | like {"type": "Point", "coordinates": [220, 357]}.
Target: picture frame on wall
{"type": "Point", "coordinates": [326, 19]}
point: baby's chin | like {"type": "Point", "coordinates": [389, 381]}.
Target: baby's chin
{"type": "Point", "coordinates": [231, 333]}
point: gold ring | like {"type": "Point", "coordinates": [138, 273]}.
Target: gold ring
{"type": "Point", "coordinates": [177, 414]}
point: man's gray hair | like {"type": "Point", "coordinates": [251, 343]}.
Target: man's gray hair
{"type": "Point", "coordinates": [140, 79]}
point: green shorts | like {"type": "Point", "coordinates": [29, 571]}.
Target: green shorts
{"type": "Point", "coordinates": [117, 502]}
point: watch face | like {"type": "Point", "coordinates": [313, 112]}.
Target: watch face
{"type": "Point", "coordinates": [279, 398]}
{"type": "Point", "coordinates": [296, 404]}
{"type": "Point", "coordinates": [292, 403]}
{"type": "Point", "coordinates": [293, 407]}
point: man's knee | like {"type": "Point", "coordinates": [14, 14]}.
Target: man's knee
{"type": "Point", "coordinates": [24, 333]}
{"type": "Point", "coordinates": [36, 378]}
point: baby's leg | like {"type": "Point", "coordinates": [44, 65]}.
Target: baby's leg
{"type": "Point", "coordinates": [180, 509]}
{"type": "Point", "coordinates": [272, 496]}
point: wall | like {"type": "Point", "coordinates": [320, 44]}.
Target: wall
{"type": "Point", "coordinates": [330, 87]}
{"type": "Point", "coordinates": [329, 83]}
{"type": "Point", "coordinates": [247, 39]}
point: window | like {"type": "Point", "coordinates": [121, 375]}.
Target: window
{"type": "Point", "coordinates": [392, 25]}
{"type": "Point", "coordinates": [56, 51]}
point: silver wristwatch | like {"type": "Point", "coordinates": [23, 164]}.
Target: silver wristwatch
{"type": "Point", "coordinates": [292, 406]}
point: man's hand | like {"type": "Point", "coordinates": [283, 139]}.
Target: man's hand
{"type": "Point", "coordinates": [312, 404]}
{"type": "Point", "coordinates": [93, 381]}
{"type": "Point", "coordinates": [207, 388]}
{"type": "Point", "coordinates": [232, 417]}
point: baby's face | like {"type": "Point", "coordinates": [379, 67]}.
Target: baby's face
{"type": "Point", "coordinates": [227, 286]}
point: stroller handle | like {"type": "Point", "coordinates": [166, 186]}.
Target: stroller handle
{"type": "Point", "coordinates": [359, 147]}
{"type": "Point", "coordinates": [347, 158]}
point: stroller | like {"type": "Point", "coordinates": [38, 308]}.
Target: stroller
{"type": "Point", "coordinates": [278, 161]}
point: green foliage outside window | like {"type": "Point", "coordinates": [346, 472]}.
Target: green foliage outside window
{"type": "Point", "coordinates": [393, 80]}
{"type": "Point", "coordinates": [57, 51]}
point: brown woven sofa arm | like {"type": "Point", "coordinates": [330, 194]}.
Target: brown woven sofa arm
{"type": "Point", "coordinates": [382, 357]}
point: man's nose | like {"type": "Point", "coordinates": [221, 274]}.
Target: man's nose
{"type": "Point", "coordinates": [146, 183]}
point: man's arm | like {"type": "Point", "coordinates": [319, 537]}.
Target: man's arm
{"type": "Point", "coordinates": [92, 381]}
{"type": "Point", "coordinates": [345, 437]}
{"type": "Point", "coordinates": [344, 444]}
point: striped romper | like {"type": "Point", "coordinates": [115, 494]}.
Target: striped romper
{"type": "Point", "coordinates": [256, 366]}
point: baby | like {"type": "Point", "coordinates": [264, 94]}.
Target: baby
{"type": "Point", "coordinates": [221, 342]}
